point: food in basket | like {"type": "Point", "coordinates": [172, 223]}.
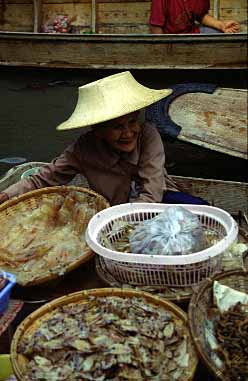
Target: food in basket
{"type": "Point", "coordinates": [227, 332]}
{"type": "Point", "coordinates": [48, 238]}
{"type": "Point", "coordinates": [175, 231]}
{"type": "Point", "coordinates": [107, 229]}
{"type": "Point", "coordinates": [231, 331]}
{"type": "Point", "coordinates": [225, 297]}
{"type": "Point", "coordinates": [108, 338]}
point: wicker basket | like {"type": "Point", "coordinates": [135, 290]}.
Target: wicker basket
{"type": "Point", "coordinates": [160, 270]}
{"type": "Point", "coordinates": [19, 362]}
{"type": "Point", "coordinates": [200, 304]}
{"type": "Point", "coordinates": [179, 295]}
{"type": "Point", "coordinates": [30, 201]}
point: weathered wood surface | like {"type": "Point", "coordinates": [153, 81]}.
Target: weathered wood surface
{"type": "Point", "coordinates": [112, 16]}
{"type": "Point", "coordinates": [217, 121]}
{"type": "Point", "coordinates": [124, 51]}
{"type": "Point", "coordinates": [120, 38]}
{"type": "Point", "coordinates": [37, 15]}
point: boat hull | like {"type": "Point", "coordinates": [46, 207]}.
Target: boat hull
{"type": "Point", "coordinates": [124, 51]}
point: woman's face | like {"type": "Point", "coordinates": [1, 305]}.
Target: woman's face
{"type": "Point", "coordinates": [121, 133]}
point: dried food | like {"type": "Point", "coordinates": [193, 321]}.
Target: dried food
{"type": "Point", "coordinates": [231, 332]}
{"type": "Point", "coordinates": [226, 332]}
{"type": "Point", "coordinates": [123, 234]}
{"type": "Point", "coordinates": [175, 231]}
{"type": "Point", "coordinates": [226, 297]}
{"type": "Point", "coordinates": [107, 338]}
{"type": "Point", "coordinates": [47, 239]}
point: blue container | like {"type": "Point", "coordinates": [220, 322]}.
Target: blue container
{"type": "Point", "coordinates": [5, 292]}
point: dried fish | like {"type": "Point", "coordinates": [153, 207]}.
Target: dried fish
{"type": "Point", "coordinates": [48, 239]}
{"type": "Point", "coordinates": [127, 339]}
{"type": "Point", "coordinates": [231, 331]}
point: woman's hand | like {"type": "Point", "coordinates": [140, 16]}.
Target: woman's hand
{"type": "Point", "coordinates": [230, 26]}
{"type": "Point", "coordinates": [225, 26]}
{"type": "Point", "coordinates": [3, 197]}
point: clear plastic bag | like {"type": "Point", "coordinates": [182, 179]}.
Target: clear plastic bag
{"type": "Point", "coordinates": [176, 231]}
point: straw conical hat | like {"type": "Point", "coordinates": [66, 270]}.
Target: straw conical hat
{"type": "Point", "coordinates": [110, 98]}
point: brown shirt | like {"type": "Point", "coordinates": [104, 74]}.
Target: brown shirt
{"type": "Point", "coordinates": [109, 173]}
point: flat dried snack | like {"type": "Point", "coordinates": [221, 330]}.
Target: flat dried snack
{"type": "Point", "coordinates": [107, 338]}
{"type": "Point", "coordinates": [46, 234]}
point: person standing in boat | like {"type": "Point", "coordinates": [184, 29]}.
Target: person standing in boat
{"type": "Point", "coordinates": [187, 16]}
{"type": "Point", "coordinates": [122, 157]}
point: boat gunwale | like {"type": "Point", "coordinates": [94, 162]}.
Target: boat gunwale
{"type": "Point", "coordinates": [115, 37]}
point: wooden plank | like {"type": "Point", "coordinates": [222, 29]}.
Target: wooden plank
{"type": "Point", "coordinates": [216, 9]}
{"type": "Point", "coordinates": [18, 18]}
{"type": "Point", "coordinates": [93, 16]}
{"type": "Point", "coordinates": [217, 121]}
{"type": "Point", "coordinates": [37, 16]}
{"type": "Point", "coordinates": [232, 4]}
{"type": "Point", "coordinates": [124, 13]}
{"type": "Point", "coordinates": [124, 51]}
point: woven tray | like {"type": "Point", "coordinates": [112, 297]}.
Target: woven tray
{"type": "Point", "coordinates": [176, 295]}
{"type": "Point", "coordinates": [29, 201]}
{"type": "Point", "coordinates": [199, 306]}
{"type": "Point", "coordinates": [19, 362]}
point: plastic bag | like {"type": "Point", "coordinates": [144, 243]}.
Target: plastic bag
{"type": "Point", "coordinates": [60, 24]}
{"type": "Point", "coordinates": [176, 231]}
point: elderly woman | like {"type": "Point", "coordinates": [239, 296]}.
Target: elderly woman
{"type": "Point", "coordinates": [122, 157]}
{"type": "Point", "coordinates": [187, 16]}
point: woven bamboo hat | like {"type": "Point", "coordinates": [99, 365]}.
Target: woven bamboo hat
{"type": "Point", "coordinates": [110, 98]}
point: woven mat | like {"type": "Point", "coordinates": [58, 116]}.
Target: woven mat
{"type": "Point", "coordinates": [9, 315]}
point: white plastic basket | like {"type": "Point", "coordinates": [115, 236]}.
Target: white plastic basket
{"type": "Point", "coordinates": [173, 270]}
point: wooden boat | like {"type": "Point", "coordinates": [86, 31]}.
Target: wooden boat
{"type": "Point", "coordinates": [112, 34]}
{"type": "Point", "coordinates": [203, 114]}
{"type": "Point", "coordinates": [231, 196]}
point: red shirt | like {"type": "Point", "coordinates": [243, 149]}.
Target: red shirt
{"type": "Point", "coordinates": [178, 16]}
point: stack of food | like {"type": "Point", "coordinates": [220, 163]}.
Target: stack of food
{"type": "Point", "coordinates": [105, 334]}
{"type": "Point", "coordinates": [43, 232]}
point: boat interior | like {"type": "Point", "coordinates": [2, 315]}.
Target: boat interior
{"type": "Point", "coordinates": [99, 16]}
